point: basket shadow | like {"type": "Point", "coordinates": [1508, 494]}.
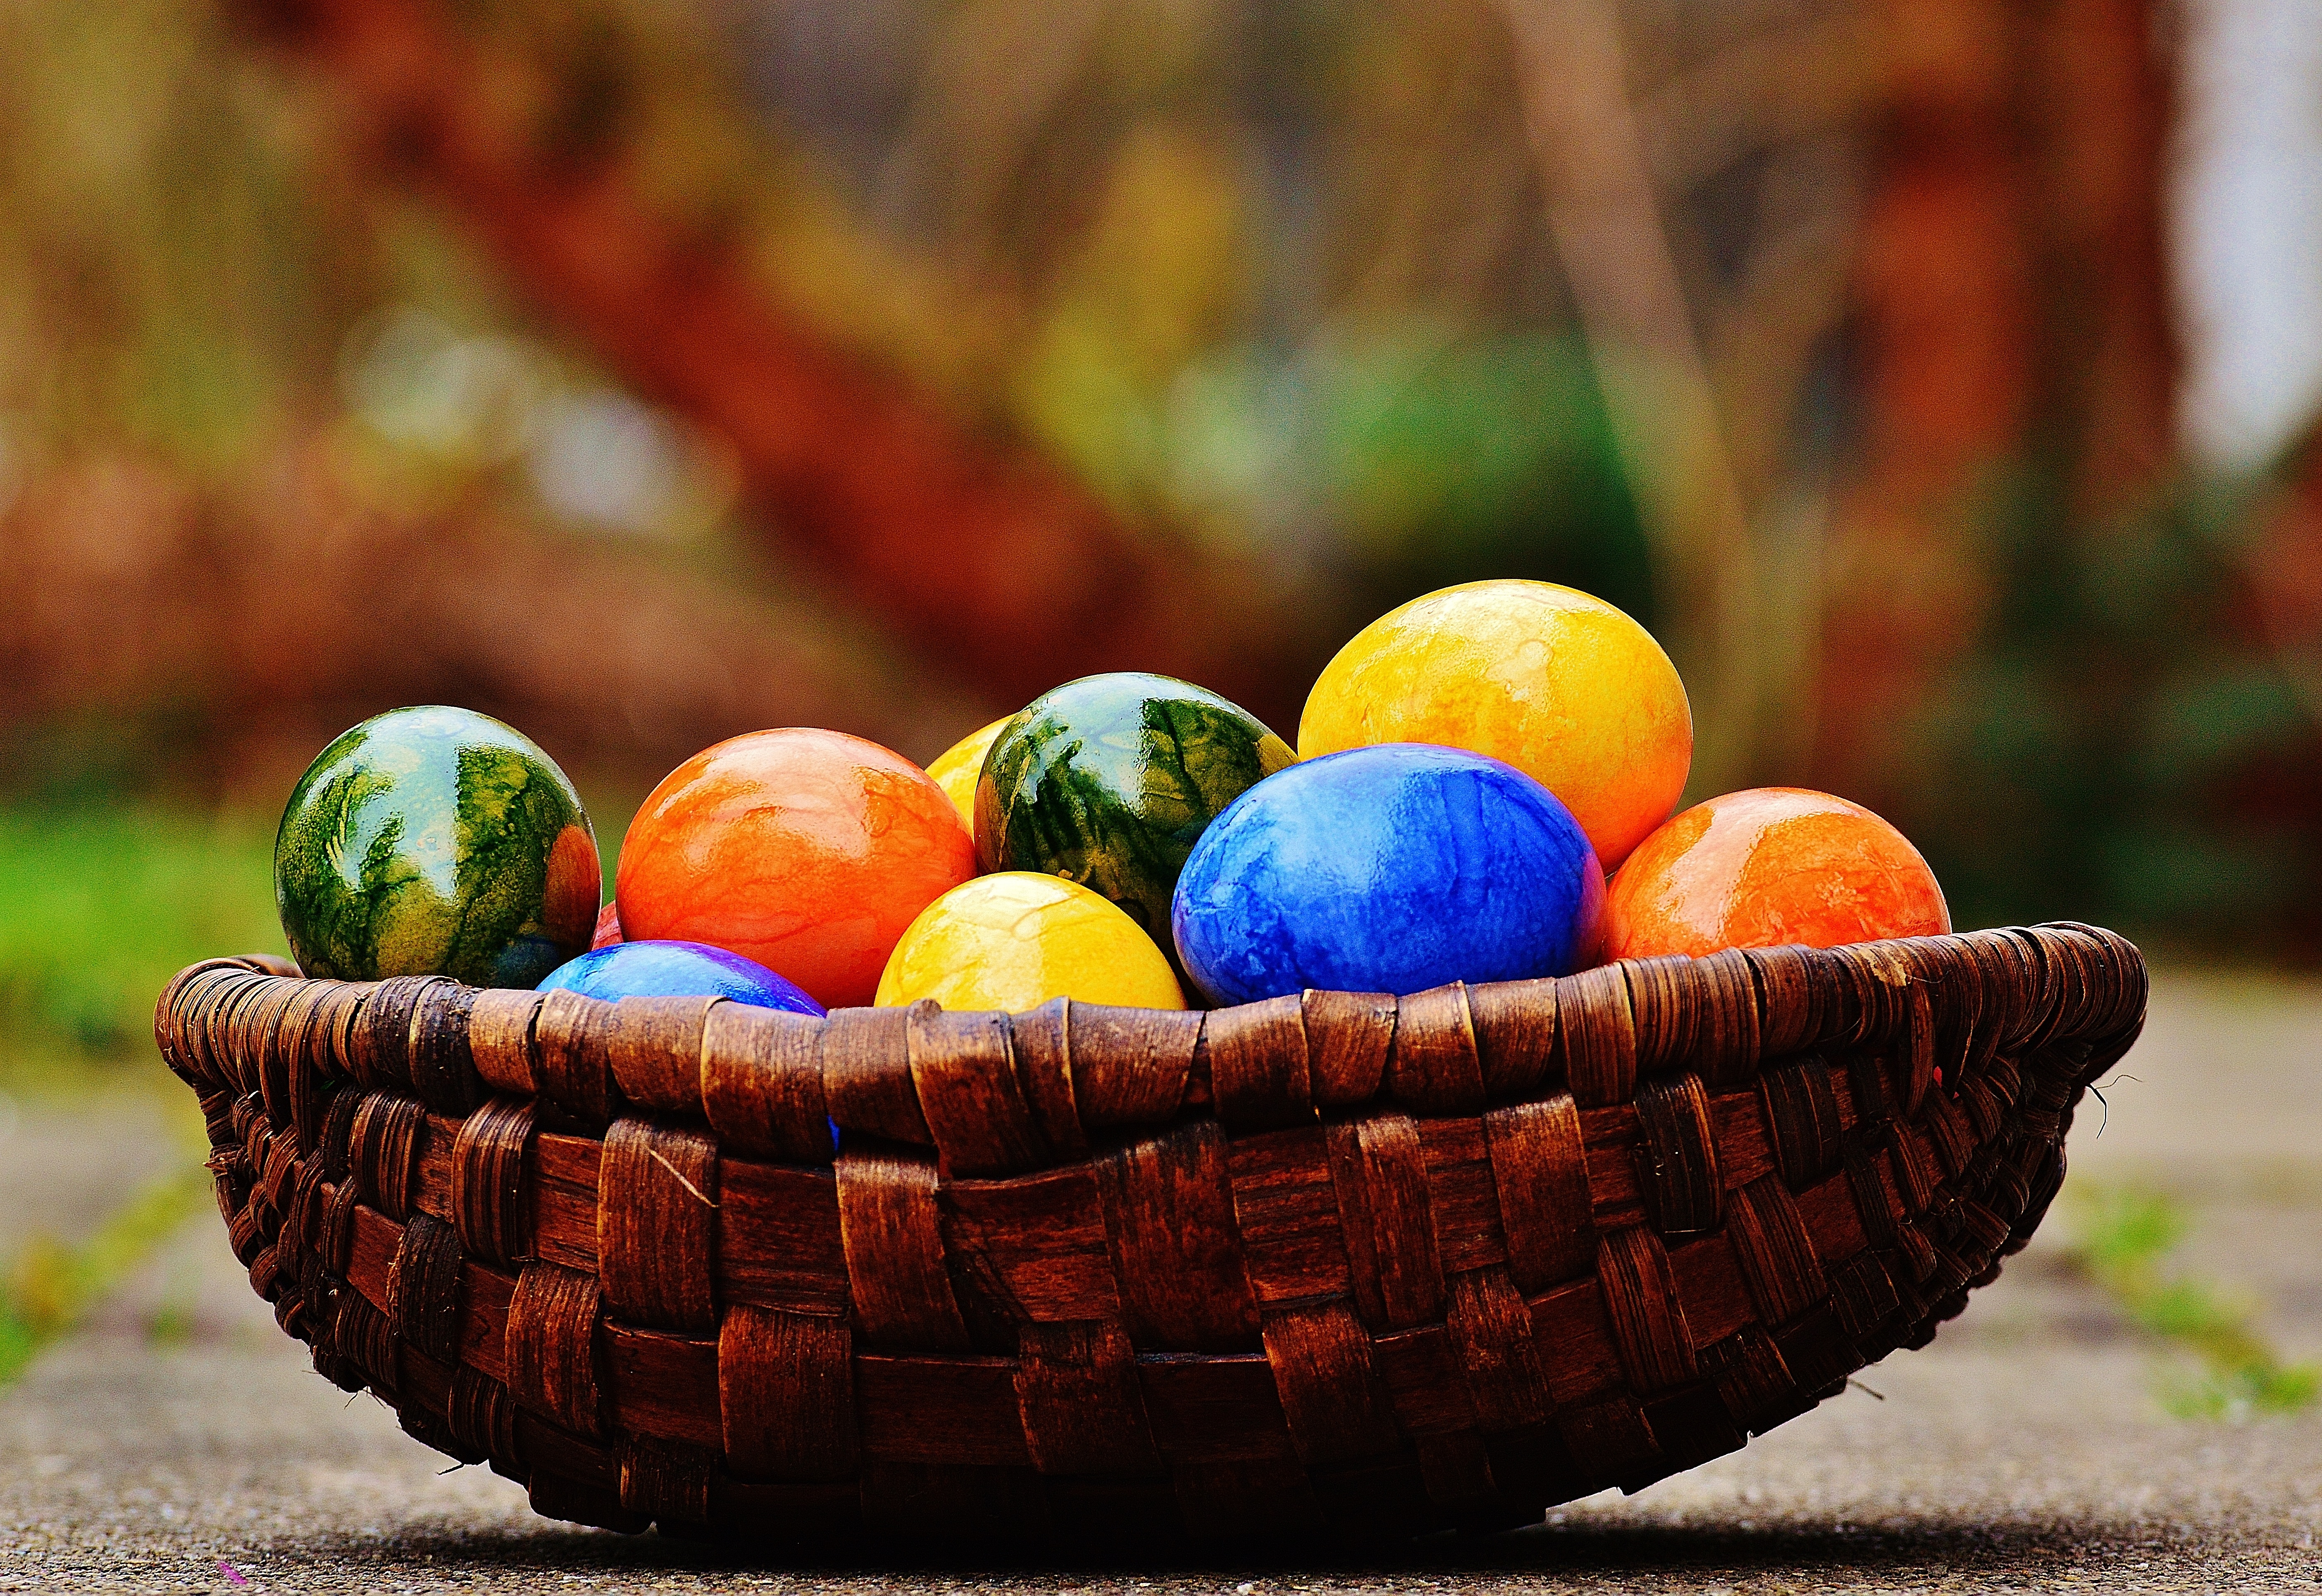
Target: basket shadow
{"type": "Point", "coordinates": [1566, 1550]}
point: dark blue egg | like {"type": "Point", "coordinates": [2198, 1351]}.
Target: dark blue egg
{"type": "Point", "coordinates": [1393, 867]}
{"type": "Point", "coordinates": [677, 969]}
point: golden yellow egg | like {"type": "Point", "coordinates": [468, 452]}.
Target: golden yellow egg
{"type": "Point", "coordinates": [1016, 939]}
{"type": "Point", "coordinates": [1561, 685]}
{"type": "Point", "coordinates": [957, 767]}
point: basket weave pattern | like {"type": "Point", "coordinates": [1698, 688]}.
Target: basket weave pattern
{"type": "Point", "coordinates": [1337, 1262]}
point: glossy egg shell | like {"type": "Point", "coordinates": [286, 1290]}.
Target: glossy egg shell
{"type": "Point", "coordinates": [1561, 685]}
{"type": "Point", "coordinates": [807, 851]}
{"type": "Point", "coordinates": [1387, 869]}
{"type": "Point", "coordinates": [1770, 866]}
{"type": "Point", "coordinates": [434, 841]}
{"type": "Point", "coordinates": [677, 969]}
{"type": "Point", "coordinates": [1017, 939]}
{"type": "Point", "coordinates": [1109, 780]}
{"type": "Point", "coordinates": [956, 770]}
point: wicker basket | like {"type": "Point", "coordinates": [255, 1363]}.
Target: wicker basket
{"type": "Point", "coordinates": [1338, 1264]}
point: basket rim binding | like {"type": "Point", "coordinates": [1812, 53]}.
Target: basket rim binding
{"type": "Point", "coordinates": [1407, 1212]}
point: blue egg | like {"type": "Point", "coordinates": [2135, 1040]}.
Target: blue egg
{"type": "Point", "coordinates": [1393, 867]}
{"type": "Point", "coordinates": [677, 969]}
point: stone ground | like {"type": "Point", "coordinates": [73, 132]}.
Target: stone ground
{"type": "Point", "coordinates": [2026, 1449]}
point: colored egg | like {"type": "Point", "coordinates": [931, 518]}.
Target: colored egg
{"type": "Point", "coordinates": [1109, 780]}
{"type": "Point", "coordinates": [608, 926]}
{"type": "Point", "coordinates": [957, 767]}
{"type": "Point", "coordinates": [807, 851]}
{"type": "Point", "coordinates": [1017, 939]}
{"type": "Point", "coordinates": [1564, 687]}
{"type": "Point", "coordinates": [677, 969]}
{"type": "Point", "coordinates": [1770, 866]}
{"type": "Point", "coordinates": [434, 841]}
{"type": "Point", "coordinates": [1388, 869]}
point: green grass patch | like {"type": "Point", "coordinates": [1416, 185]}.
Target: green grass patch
{"type": "Point", "coordinates": [100, 907]}
{"type": "Point", "coordinates": [48, 1287]}
{"type": "Point", "coordinates": [2227, 1370]}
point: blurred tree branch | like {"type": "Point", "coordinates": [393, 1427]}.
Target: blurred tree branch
{"type": "Point", "coordinates": [250, 622]}
{"type": "Point", "coordinates": [1004, 568]}
{"type": "Point", "coordinates": [1606, 217]}
{"type": "Point", "coordinates": [1791, 81]}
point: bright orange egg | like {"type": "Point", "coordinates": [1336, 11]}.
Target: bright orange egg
{"type": "Point", "coordinates": [1561, 685]}
{"type": "Point", "coordinates": [808, 851]}
{"type": "Point", "coordinates": [1771, 866]}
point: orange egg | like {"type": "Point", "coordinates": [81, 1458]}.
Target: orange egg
{"type": "Point", "coordinates": [1564, 687]}
{"type": "Point", "coordinates": [808, 851]}
{"type": "Point", "coordinates": [1770, 866]}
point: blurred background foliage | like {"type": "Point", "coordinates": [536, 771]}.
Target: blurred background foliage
{"type": "Point", "coordinates": [644, 372]}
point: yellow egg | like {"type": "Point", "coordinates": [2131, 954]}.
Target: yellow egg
{"type": "Point", "coordinates": [957, 767]}
{"type": "Point", "coordinates": [1561, 685]}
{"type": "Point", "coordinates": [1016, 939]}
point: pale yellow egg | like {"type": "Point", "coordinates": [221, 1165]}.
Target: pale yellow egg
{"type": "Point", "coordinates": [957, 767]}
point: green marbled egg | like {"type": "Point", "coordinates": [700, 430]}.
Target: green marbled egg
{"type": "Point", "coordinates": [1108, 781]}
{"type": "Point", "coordinates": [436, 841]}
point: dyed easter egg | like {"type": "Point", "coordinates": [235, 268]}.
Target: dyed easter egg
{"type": "Point", "coordinates": [1107, 780]}
{"type": "Point", "coordinates": [807, 851]}
{"type": "Point", "coordinates": [1562, 686]}
{"type": "Point", "coordinates": [608, 926]}
{"type": "Point", "coordinates": [957, 767]}
{"type": "Point", "coordinates": [1770, 866]}
{"type": "Point", "coordinates": [677, 969]}
{"type": "Point", "coordinates": [1389, 869]}
{"type": "Point", "coordinates": [434, 841]}
{"type": "Point", "coordinates": [1017, 939]}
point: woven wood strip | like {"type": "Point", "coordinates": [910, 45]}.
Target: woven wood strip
{"type": "Point", "coordinates": [1131, 1066]}
{"type": "Point", "coordinates": [1677, 1168]}
{"type": "Point", "coordinates": [1043, 1048]}
{"type": "Point", "coordinates": [761, 1084]}
{"type": "Point", "coordinates": [1379, 1181]}
{"type": "Point", "coordinates": [1336, 1265]}
{"type": "Point", "coordinates": [1598, 1027]}
{"type": "Point", "coordinates": [893, 1237]}
{"type": "Point", "coordinates": [656, 1224]}
{"type": "Point", "coordinates": [1260, 1064]}
{"type": "Point", "coordinates": [488, 1156]}
{"type": "Point", "coordinates": [1516, 1036]}
{"type": "Point", "coordinates": [1540, 1173]}
{"type": "Point", "coordinates": [1176, 1250]}
{"type": "Point", "coordinates": [549, 1346]}
{"type": "Point", "coordinates": [963, 1073]}
{"type": "Point", "coordinates": [1435, 1067]}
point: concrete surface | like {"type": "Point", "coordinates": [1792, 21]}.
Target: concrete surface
{"type": "Point", "coordinates": [62, 1163]}
{"type": "Point", "coordinates": [2025, 1450]}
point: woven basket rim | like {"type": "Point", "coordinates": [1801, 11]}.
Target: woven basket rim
{"type": "Point", "coordinates": [1860, 994]}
